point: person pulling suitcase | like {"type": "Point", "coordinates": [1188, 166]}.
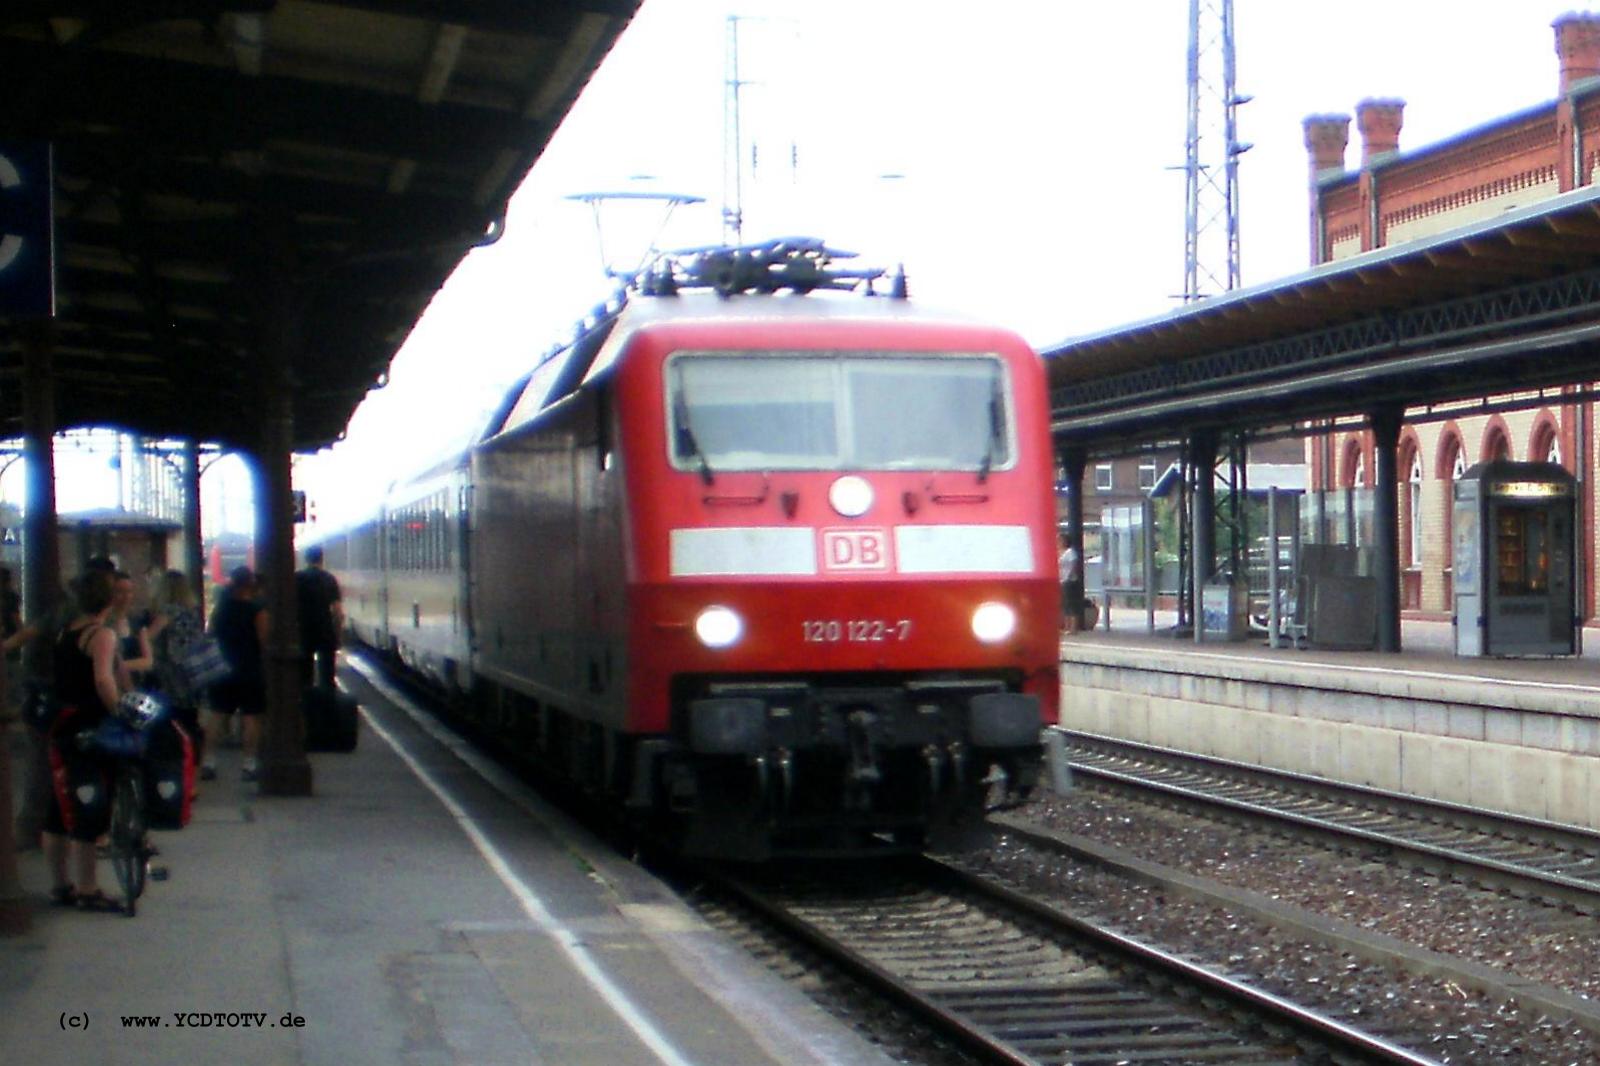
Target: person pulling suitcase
{"type": "Point", "coordinates": [331, 716]}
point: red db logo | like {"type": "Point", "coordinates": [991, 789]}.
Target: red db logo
{"type": "Point", "coordinates": [855, 549]}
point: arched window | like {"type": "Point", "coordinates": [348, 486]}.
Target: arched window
{"type": "Point", "coordinates": [1414, 510]}
{"type": "Point", "coordinates": [1546, 444]}
{"type": "Point", "coordinates": [1353, 471]}
{"type": "Point", "coordinates": [1496, 445]}
{"type": "Point", "coordinates": [1451, 463]}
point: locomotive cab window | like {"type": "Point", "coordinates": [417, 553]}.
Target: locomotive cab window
{"type": "Point", "coordinates": [831, 411]}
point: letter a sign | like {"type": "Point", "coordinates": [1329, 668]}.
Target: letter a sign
{"type": "Point", "coordinates": [27, 239]}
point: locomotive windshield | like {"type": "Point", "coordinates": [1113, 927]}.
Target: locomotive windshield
{"type": "Point", "coordinates": [831, 411]}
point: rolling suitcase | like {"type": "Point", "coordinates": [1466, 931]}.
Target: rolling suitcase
{"type": "Point", "coordinates": [331, 719]}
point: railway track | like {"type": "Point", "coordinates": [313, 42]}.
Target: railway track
{"type": "Point", "coordinates": [1012, 980]}
{"type": "Point", "coordinates": [1522, 855]}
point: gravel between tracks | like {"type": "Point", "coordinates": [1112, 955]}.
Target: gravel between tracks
{"type": "Point", "coordinates": [1551, 946]}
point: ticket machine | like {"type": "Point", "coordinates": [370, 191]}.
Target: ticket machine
{"type": "Point", "coordinates": [1515, 561]}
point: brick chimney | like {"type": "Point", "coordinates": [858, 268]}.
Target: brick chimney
{"type": "Point", "coordinates": [1326, 137]}
{"type": "Point", "coordinates": [1379, 122]}
{"type": "Point", "coordinates": [1578, 46]}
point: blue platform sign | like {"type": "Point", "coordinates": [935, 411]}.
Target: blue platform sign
{"type": "Point", "coordinates": [27, 231]}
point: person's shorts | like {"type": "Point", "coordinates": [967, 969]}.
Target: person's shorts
{"type": "Point", "coordinates": [239, 695]}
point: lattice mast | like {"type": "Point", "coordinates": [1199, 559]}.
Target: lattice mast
{"type": "Point", "coordinates": [1211, 164]}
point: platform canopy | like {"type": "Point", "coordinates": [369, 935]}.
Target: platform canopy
{"type": "Point", "coordinates": [216, 161]}
{"type": "Point", "coordinates": [1504, 305]}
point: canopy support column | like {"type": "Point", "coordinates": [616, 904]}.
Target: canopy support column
{"type": "Point", "coordinates": [1203, 456]}
{"type": "Point", "coordinates": [41, 542]}
{"type": "Point", "coordinates": [285, 770]}
{"type": "Point", "coordinates": [1386, 526]}
{"type": "Point", "coordinates": [194, 563]}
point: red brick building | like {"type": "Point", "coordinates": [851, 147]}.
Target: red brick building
{"type": "Point", "coordinates": [1392, 197]}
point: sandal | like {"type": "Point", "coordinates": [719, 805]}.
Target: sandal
{"type": "Point", "coordinates": [63, 896]}
{"type": "Point", "coordinates": [100, 902]}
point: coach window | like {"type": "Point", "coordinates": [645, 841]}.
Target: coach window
{"type": "Point", "coordinates": [436, 530]}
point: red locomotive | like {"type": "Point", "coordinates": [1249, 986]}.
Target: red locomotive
{"type": "Point", "coordinates": [770, 564]}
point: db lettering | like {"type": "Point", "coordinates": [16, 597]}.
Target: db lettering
{"type": "Point", "coordinates": [855, 549]}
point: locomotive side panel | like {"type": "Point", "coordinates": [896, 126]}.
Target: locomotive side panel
{"type": "Point", "coordinates": [525, 536]}
{"type": "Point", "coordinates": [600, 606]}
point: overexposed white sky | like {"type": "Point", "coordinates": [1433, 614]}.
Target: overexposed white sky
{"type": "Point", "coordinates": [1033, 140]}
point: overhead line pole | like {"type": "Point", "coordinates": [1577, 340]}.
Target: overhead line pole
{"type": "Point", "coordinates": [732, 142]}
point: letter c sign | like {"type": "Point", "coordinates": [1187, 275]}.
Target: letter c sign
{"type": "Point", "coordinates": [27, 253]}
{"type": "Point", "coordinates": [10, 243]}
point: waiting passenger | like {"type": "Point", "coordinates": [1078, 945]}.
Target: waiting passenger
{"type": "Point", "coordinates": [321, 617]}
{"type": "Point", "coordinates": [174, 628]}
{"type": "Point", "coordinates": [133, 640]}
{"type": "Point", "coordinates": [86, 685]}
{"type": "Point", "coordinates": [240, 626]}
{"type": "Point", "coordinates": [1071, 565]}
{"type": "Point", "coordinates": [36, 678]}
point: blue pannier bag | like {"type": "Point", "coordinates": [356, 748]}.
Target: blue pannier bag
{"type": "Point", "coordinates": [115, 737]}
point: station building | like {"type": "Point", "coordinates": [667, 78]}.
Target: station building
{"type": "Point", "coordinates": [1393, 197]}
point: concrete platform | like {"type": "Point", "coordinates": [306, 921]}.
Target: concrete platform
{"type": "Point", "coordinates": [414, 911]}
{"type": "Point", "coordinates": [1517, 735]}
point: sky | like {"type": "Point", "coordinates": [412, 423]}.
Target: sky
{"type": "Point", "coordinates": [1017, 156]}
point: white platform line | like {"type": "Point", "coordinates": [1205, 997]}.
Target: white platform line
{"type": "Point", "coordinates": [1384, 671]}
{"type": "Point", "coordinates": [535, 909]}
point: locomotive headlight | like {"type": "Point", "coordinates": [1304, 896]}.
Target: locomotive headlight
{"type": "Point", "coordinates": [851, 496]}
{"type": "Point", "coordinates": [718, 627]}
{"type": "Point", "coordinates": [993, 622]}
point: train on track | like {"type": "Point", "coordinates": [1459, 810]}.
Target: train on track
{"type": "Point", "coordinates": [764, 557]}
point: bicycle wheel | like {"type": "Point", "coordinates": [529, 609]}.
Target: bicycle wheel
{"type": "Point", "coordinates": [127, 836]}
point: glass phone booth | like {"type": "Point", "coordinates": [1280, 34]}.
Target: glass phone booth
{"type": "Point", "coordinates": [1514, 536]}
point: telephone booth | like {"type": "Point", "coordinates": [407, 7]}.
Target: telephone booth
{"type": "Point", "coordinates": [1515, 560]}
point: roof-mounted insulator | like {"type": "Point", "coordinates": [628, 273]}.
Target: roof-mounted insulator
{"type": "Point", "coordinates": [788, 264]}
{"type": "Point", "coordinates": [897, 284]}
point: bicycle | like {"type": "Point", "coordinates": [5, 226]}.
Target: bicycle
{"type": "Point", "coordinates": [128, 845]}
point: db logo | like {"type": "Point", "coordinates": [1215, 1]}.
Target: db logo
{"type": "Point", "coordinates": [855, 549]}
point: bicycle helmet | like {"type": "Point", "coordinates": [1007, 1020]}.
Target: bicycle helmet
{"type": "Point", "coordinates": [139, 709]}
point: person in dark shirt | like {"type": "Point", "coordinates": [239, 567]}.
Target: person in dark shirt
{"type": "Point", "coordinates": [35, 673]}
{"type": "Point", "coordinates": [87, 687]}
{"type": "Point", "coordinates": [240, 626]}
{"type": "Point", "coordinates": [321, 617]}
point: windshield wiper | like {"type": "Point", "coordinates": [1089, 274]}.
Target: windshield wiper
{"type": "Point", "coordinates": [686, 444]}
{"type": "Point", "coordinates": [996, 428]}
